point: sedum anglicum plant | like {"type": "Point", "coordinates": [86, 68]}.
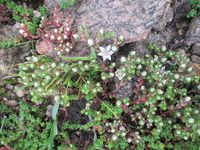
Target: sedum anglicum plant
{"type": "Point", "coordinates": [161, 113]}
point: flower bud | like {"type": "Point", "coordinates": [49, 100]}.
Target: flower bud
{"type": "Point", "coordinates": [143, 73]}
{"type": "Point", "coordinates": [191, 120]}
{"type": "Point", "coordinates": [90, 42]}
{"type": "Point", "coordinates": [121, 37]}
{"type": "Point", "coordinates": [76, 36]}
{"type": "Point", "coordinates": [123, 59]}
{"type": "Point", "coordinates": [114, 48]}
{"type": "Point", "coordinates": [114, 137]}
{"type": "Point", "coordinates": [101, 31]}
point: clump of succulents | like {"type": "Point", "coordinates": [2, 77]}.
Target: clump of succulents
{"type": "Point", "coordinates": [161, 113]}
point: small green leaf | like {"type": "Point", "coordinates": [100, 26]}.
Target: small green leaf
{"type": "Point", "coordinates": [109, 34]}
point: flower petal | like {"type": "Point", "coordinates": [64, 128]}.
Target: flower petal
{"type": "Point", "coordinates": [111, 52]}
{"type": "Point", "coordinates": [109, 57]}
{"type": "Point", "coordinates": [108, 47]}
{"type": "Point", "coordinates": [102, 48]}
{"type": "Point", "coordinates": [101, 54]}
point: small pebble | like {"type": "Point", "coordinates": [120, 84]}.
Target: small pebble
{"type": "Point", "coordinates": [5, 99]}
{"type": "Point", "coordinates": [49, 110]}
{"type": "Point", "coordinates": [11, 103]}
{"type": "Point", "coordinates": [9, 86]}
{"type": "Point", "coordinates": [20, 92]}
{"type": "Point", "coordinates": [180, 32]}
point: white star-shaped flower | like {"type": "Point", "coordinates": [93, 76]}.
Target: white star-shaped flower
{"type": "Point", "coordinates": [106, 52]}
{"type": "Point", "coordinates": [120, 74]}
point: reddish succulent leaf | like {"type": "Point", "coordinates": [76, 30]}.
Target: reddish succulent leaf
{"type": "Point", "coordinates": [144, 99]}
{"type": "Point", "coordinates": [139, 82]}
{"type": "Point", "coordinates": [124, 106]}
{"type": "Point", "coordinates": [97, 127]}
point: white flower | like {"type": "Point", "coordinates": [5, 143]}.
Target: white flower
{"type": "Point", "coordinates": [120, 74]}
{"type": "Point", "coordinates": [105, 52]}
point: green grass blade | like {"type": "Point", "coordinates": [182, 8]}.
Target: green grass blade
{"type": "Point", "coordinates": [54, 79]}
{"type": "Point", "coordinates": [2, 124]}
{"type": "Point", "coordinates": [27, 85]}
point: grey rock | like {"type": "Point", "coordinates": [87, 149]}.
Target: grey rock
{"type": "Point", "coordinates": [168, 13]}
{"type": "Point", "coordinates": [50, 4]}
{"type": "Point", "coordinates": [126, 90]}
{"type": "Point", "coordinates": [166, 17]}
{"type": "Point", "coordinates": [181, 8]}
{"type": "Point", "coordinates": [131, 18]}
{"type": "Point", "coordinates": [10, 57]}
{"type": "Point", "coordinates": [11, 103]}
{"type": "Point", "coordinates": [160, 26]}
{"type": "Point", "coordinates": [193, 33]}
{"type": "Point", "coordinates": [141, 48]}
{"type": "Point", "coordinates": [196, 49]}
{"type": "Point", "coordinates": [195, 58]}
{"type": "Point", "coordinates": [162, 37]}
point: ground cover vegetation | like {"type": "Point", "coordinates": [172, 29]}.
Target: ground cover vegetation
{"type": "Point", "coordinates": [133, 102]}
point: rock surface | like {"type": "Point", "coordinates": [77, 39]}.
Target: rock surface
{"type": "Point", "coordinates": [10, 57]}
{"type": "Point", "coordinates": [196, 49]}
{"type": "Point", "coordinates": [195, 58]}
{"type": "Point", "coordinates": [131, 18]}
{"type": "Point", "coordinates": [193, 33]}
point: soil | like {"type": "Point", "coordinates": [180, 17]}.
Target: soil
{"type": "Point", "coordinates": [172, 35]}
